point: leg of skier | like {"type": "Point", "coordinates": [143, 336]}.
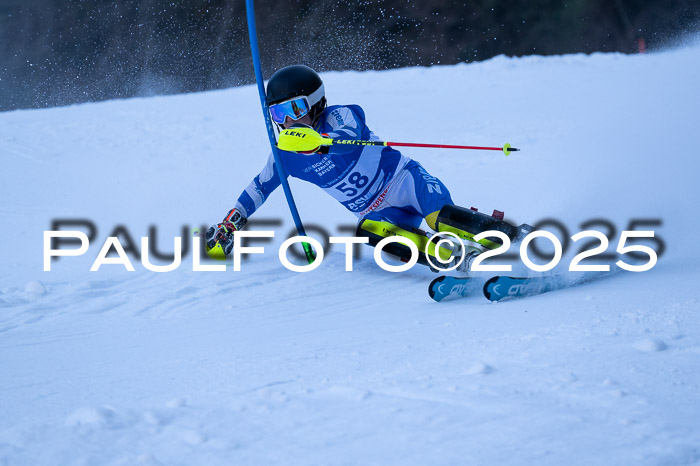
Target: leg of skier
{"type": "Point", "coordinates": [415, 195]}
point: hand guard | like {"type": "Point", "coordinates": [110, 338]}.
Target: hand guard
{"type": "Point", "coordinates": [219, 237]}
{"type": "Point", "coordinates": [302, 139]}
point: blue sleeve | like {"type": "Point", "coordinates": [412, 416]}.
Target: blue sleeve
{"type": "Point", "coordinates": [259, 189]}
{"type": "Point", "coordinates": [346, 122]}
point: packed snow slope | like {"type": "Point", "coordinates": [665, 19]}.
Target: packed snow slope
{"type": "Point", "coordinates": [268, 366]}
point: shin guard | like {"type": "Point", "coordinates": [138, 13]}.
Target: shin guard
{"type": "Point", "coordinates": [467, 223]}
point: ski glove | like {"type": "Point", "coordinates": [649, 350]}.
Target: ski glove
{"type": "Point", "coordinates": [219, 237]}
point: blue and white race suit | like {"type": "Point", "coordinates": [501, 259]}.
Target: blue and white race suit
{"type": "Point", "coordinates": [375, 182]}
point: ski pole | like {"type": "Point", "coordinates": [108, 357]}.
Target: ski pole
{"type": "Point", "coordinates": [507, 149]}
{"type": "Point", "coordinates": [305, 139]}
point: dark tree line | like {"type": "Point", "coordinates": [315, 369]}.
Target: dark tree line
{"type": "Point", "coordinates": [57, 52]}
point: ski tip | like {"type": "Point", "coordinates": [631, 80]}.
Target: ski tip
{"type": "Point", "coordinates": [447, 288]}
{"type": "Point", "coordinates": [431, 288]}
{"type": "Point", "coordinates": [487, 289]}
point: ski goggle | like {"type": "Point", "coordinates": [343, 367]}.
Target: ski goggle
{"type": "Point", "coordinates": [294, 109]}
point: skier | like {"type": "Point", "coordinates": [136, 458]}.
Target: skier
{"type": "Point", "coordinates": [390, 193]}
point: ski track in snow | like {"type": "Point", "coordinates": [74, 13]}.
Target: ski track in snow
{"type": "Point", "coordinates": [267, 366]}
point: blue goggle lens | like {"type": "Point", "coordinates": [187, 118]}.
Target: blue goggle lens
{"type": "Point", "coordinates": [293, 109]}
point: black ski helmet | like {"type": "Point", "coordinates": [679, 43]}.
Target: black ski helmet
{"type": "Point", "coordinates": [296, 81]}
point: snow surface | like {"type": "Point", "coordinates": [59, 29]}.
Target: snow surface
{"type": "Point", "coordinates": [267, 366]}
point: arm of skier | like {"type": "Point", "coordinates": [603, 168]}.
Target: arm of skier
{"type": "Point", "coordinates": [346, 124]}
{"type": "Point", "coordinates": [252, 197]}
{"type": "Point", "coordinates": [343, 122]}
{"type": "Point", "coordinates": [257, 192]}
